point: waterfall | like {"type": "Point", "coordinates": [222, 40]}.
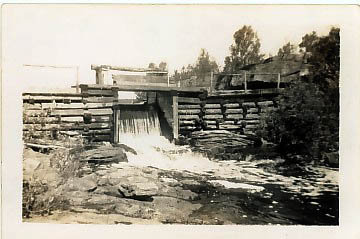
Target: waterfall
{"type": "Point", "coordinates": [140, 129]}
{"type": "Point", "coordinates": [139, 122]}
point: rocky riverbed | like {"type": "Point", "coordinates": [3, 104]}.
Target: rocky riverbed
{"type": "Point", "coordinates": [181, 187]}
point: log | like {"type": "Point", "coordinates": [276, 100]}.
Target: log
{"type": "Point", "coordinates": [105, 111]}
{"type": "Point", "coordinates": [69, 112]}
{"type": "Point", "coordinates": [252, 116]}
{"type": "Point", "coordinates": [210, 122]}
{"type": "Point", "coordinates": [249, 104]}
{"type": "Point", "coordinates": [51, 98]}
{"type": "Point", "coordinates": [49, 127]}
{"type": "Point", "coordinates": [97, 131]}
{"type": "Point", "coordinates": [265, 103]}
{"type": "Point", "coordinates": [267, 109]}
{"type": "Point", "coordinates": [98, 99]}
{"type": "Point", "coordinates": [100, 92]}
{"type": "Point", "coordinates": [233, 111]}
{"type": "Point", "coordinates": [232, 105]}
{"type": "Point", "coordinates": [27, 106]}
{"type": "Point", "coordinates": [101, 119]}
{"type": "Point", "coordinates": [185, 128]}
{"type": "Point", "coordinates": [212, 106]}
{"type": "Point", "coordinates": [189, 112]}
{"type": "Point", "coordinates": [251, 126]}
{"type": "Point", "coordinates": [189, 100]}
{"type": "Point", "coordinates": [98, 105]}
{"type": "Point", "coordinates": [36, 113]}
{"type": "Point", "coordinates": [252, 122]}
{"type": "Point", "coordinates": [234, 116]}
{"type": "Point", "coordinates": [186, 107]}
{"type": "Point", "coordinates": [230, 127]}
{"type": "Point", "coordinates": [189, 117]}
{"type": "Point", "coordinates": [187, 122]}
{"type": "Point", "coordinates": [209, 127]}
{"type": "Point", "coordinates": [252, 110]}
{"type": "Point", "coordinates": [213, 111]}
{"type": "Point", "coordinates": [213, 116]}
{"type": "Point", "coordinates": [62, 106]}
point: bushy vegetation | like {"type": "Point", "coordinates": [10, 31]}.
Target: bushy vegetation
{"type": "Point", "coordinates": [307, 119]}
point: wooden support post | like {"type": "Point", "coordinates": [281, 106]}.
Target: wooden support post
{"type": "Point", "coordinates": [278, 83]}
{"type": "Point", "coordinates": [175, 117]}
{"type": "Point", "coordinates": [245, 83]}
{"type": "Point", "coordinates": [99, 77]}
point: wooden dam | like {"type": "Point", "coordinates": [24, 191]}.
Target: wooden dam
{"type": "Point", "coordinates": [95, 111]}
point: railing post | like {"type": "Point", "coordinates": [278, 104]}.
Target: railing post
{"type": "Point", "coordinates": [211, 81]}
{"type": "Point", "coordinates": [278, 83]}
{"type": "Point", "coordinates": [245, 83]}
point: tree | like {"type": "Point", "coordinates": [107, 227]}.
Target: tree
{"type": "Point", "coordinates": [152, 65]}
{"type": "Point", "coordinates": [203, 66]}
{"type": "Point", "coordinates": [163, 66]}
{"type": "Point", "coordinates": [307, 119]}
{"type": "Point", "coordinates": [245, 50]}
{"type": "Point", "coordinates": [286, 50]}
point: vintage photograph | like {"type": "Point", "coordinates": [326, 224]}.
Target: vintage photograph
{"type": "Point", "coordinates": [177, 114]}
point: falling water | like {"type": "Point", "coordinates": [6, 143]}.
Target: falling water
{"type": "Point", "coordinates": [140, 129]}
{"type": "Point", "coordinates": [139, 122]}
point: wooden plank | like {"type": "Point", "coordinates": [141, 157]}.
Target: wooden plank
{"type": "Point", "coordinates": [105, 111]}
{"type": "Point", "coordinates": [67, 112]}
{"type": "Point", "coordinates": [213, 111]}
{"type": "Point", "coordinates": [212, 106]}
{"type": "Point", "coordinates": [186, 107]}
{"type": "Point", "coordinates": [62, 94]}
{"type": "Point", "coordinates": [190, 112]}
{"type": "Point", "coordinates": [189, 100]}
{"type": "Point", "coordinates": [251, 126]}
{"type": "Point", "coordinates": [214, 116]}
{"type": "Point", "coordinates": [233, 111]}
{"type": "Point", "coordinates": [209, 127]}
{"type": "Point", "coordinates": [189, 117]}
{"type": "Point", "coordinates": [234, 116]}
{"type": "Point", "coordinates": [98, 125]}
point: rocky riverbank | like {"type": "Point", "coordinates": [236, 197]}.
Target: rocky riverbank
{"type": "Point", "coordinates": [183, 190]}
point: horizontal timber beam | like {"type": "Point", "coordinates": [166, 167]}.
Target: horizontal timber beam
{"type": "Point", "coordinates": [146, 88]}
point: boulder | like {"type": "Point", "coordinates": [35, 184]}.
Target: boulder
{"type": "Point", "coordinates": [138, 186]}
{"type": "Point", "coordinates": [80, 184]}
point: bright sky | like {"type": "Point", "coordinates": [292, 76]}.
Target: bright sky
{"type": "Point", "coordinates": [129, 35]}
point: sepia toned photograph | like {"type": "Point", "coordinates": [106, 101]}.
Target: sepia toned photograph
{"type": "Point", "coordinates": [177, 114]}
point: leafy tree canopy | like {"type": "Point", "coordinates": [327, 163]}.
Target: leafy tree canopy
{"type": "Point", "coordinates": [245, 50]}
{"type": "Point", "coordinates": [287, 50]}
